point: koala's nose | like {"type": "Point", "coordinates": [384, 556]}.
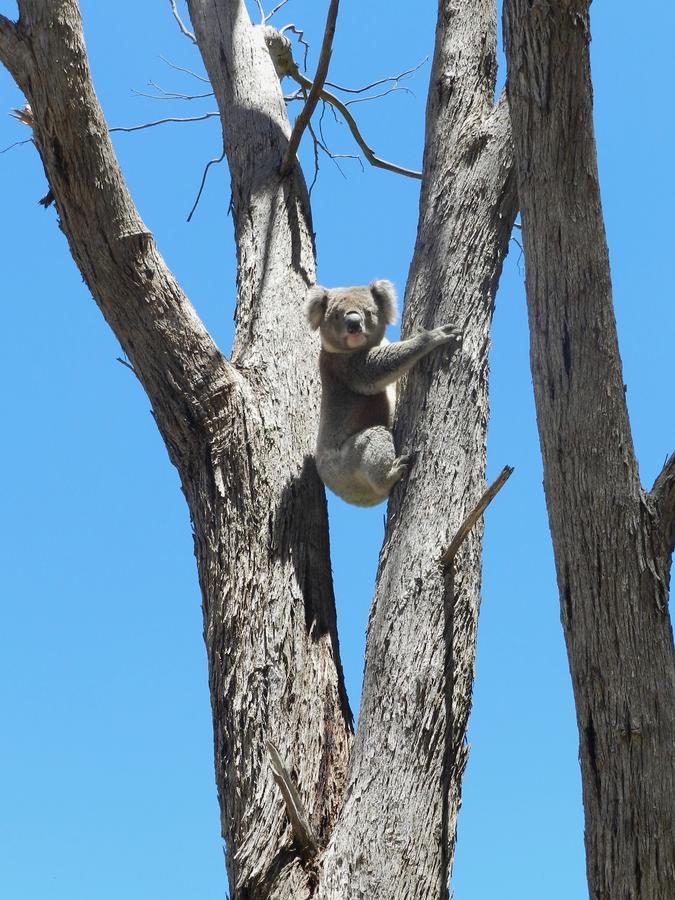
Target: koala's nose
{"type": "Point", "coordinates": [353, 322]}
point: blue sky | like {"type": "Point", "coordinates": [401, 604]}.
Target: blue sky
{"type": "Point", "coordinates": [106, 778]}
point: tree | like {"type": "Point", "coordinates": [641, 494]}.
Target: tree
{"type": "Point", "coordinates": [612, 540]}
{"type": "Point", "coordinates": [234, 434]}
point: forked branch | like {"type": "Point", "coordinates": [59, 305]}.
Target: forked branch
{"type": "Point", "coordinates": [279, 48]}
{"type": "Point", "coordinates": [183, 27]}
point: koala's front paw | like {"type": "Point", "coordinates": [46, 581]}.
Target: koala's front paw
{"type": "Point", "coordinates": [449, 334]}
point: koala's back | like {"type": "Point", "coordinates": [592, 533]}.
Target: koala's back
{"type": "Point", "coordinates": [344, 412]}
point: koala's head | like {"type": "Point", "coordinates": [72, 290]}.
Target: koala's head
{"type": "Point", "coordinates": [351, 318]}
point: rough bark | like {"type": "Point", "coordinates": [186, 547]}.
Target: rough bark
{"type": "Point", "coordinates": [396, 831]}
{"type": "Point", "coordinates": [612, 541]}
{"type": "Point", "coordinates": [236, 431]}
{"type": "Point", "coordinates": [240, 433]}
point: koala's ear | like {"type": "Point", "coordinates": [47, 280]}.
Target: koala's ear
{"type": "Point", "coordinates": [385, 296]}
{"type": "Point", "coordinates": [315, 307]}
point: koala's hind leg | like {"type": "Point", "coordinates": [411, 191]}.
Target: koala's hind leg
{"type": "Point", "coordinates": [378, 463]}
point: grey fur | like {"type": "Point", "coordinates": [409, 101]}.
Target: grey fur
{"type": "Point", "coordinates": [355, 454]}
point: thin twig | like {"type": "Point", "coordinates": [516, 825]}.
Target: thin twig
{"type": "Point", "coordinates": [317, 143]}
{"type": "Point", "coordinates": [186, 31]}
{"type": "Point", "coordinates": [17, 144]}
{"type": "Point", "coordinates": [274, 11]}
{"type": "Point", "coordinates": [315, 90]}
{"type": "Point", "coordinates": [169, 95]}
{"type": "Point", "coordinates": [208, 115]}
{"type": "Point", "coordinates": [468, 523]}
{"type": "Point", "coordinates": [183, 69]}
{"type": "Point", "coordinates": [393, 90]}
{"type": "Point", "coordinates": [300, 34]}
{"type": "Point", "coordinates": [127, 364]}
{"type": "Point", "coordinates": [374, 160]}
{"type": "Point", "coordinates": [373, 84]}
{"type": "Point", "coordinates": [279, 47]}
{"type": "Point", "coordinates": [211, 162]}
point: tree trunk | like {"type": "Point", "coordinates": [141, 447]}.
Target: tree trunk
{"type": "Point", "coordinates": [612, 541]}
{"type": "Point", "coordinates": [405, 774]}
{"type": "Point", "coordinates": [241, 432]}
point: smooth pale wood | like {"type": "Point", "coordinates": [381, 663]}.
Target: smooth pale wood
{"type": "Point", "coordinates": [612, 541]}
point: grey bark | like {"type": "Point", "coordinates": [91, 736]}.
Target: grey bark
{"type": "Point", "coordinates": [612, 540]}
{"type": "Point", "coordinates": [396, 830]}
{"type": "Point", "coordinates": [240, 433]}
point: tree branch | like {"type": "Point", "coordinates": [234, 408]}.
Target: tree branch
{"type": "Point", "coordinates": [184, 29]}
{"type": "Point", "coordinates": [663, 497]}
{"type": "Point", "coordinates": [354, 128]}
{"type": "Point", "coordinates": [315, 92]}
{"type": "Point", "coordinates": [475, 514]}
{"type": "Point", "coordinates": [279, 48]}
{"type": "Point", "coordinates": [208, 115]}
{"type": "Point", "coordinates": [180, 367]}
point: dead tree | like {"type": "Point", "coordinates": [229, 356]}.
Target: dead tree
{"type": "Point", "coordinates": [612, 540]}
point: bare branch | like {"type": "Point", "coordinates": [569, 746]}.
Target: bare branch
{"type": "Point", "coordinates": [373, 84]}
{"type": "Point", "coordinates": [184, 29]}
{"type": "Point", "coordinates": [17, 144]}
{"type": "Point", "coordinates": [183, 69]}
{"type": "Point", "coordinates": [474, 516]}
{"type": "Point", "coordinates": [300, 34]}
{"type": "Point", "coordinates": [302, 829]}
{"type": "Point", "coordinates": [169, 95]}
{"type": "Point", "coordinates": [279, 48]}
{"type": "Point", "coordinates": [315, 90]}
{"type": "Point", "coordinates": [126, 363]}
{"type": "Point", "coordinates": [354, 128]}
{"type": "Point", "coordinates": [211, 162]}
{"type": "Point", "coordinates": [208, 115]}
{"type": "Point", "coordinates": [392, 90]}
{"type": "Point", "coordinates": [274, 11]}
{"type": "Point", "coordinates": [663, 496]}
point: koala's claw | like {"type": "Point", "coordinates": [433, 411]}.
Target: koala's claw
{"type": "Point", "coordinates": [453, 331]}
{"type": "Point", "coordinates": [408, 459]}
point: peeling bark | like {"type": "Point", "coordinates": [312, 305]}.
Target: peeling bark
{"type": "Point", "coordinates": [612, 541]}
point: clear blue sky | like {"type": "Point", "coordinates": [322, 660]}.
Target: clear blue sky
{"type": "Point", "coordinates": [106, 779]}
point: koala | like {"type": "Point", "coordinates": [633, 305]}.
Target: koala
{"type": "Point", "coordinates": [355, 454]}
